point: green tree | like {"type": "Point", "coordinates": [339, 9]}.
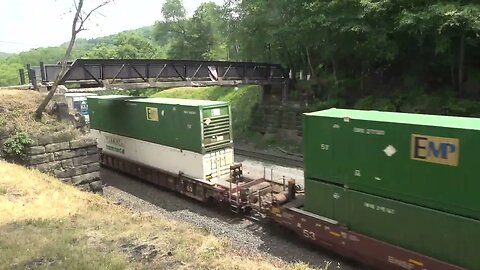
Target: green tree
{"type": "Point", "coordinates": [357, 41]}
{"type": "Point", "coordinates": [452, 27]}
{"type": "Point", "coordinates": [126, 46]}
{"type": "Point", "coordinates": [198, 37]}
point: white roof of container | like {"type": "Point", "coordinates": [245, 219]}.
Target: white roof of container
{"type": "Point", "coordinates": [179, 101]}
{"type": "Point", "coordinates": [79, 94]}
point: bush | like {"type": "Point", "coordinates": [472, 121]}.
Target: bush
{"type": "Point", "coordinates": [365, 103]}
{"type": "Point", "coordinates": [15, 147]}
{"type": "Point", "coordinates": [462, 107]}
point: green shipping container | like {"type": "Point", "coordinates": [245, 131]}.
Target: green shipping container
{"type": "Point", "coordinates": [196, 125]}
{"type": "Point", "coordinates": [440, 235]}
{"type": "Point", "coordinates": [421, 159]}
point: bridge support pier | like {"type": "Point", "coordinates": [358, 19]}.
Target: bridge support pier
{"type": "Point", "coordinates": [275, 93]}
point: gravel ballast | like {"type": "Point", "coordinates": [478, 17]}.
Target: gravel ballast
{"type": "Point", "coordinates": [245, 233]}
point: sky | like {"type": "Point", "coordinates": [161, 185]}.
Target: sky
{"type": "Point", "coordinates": [27, 24]}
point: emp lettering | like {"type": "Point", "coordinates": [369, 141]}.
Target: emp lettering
{"type": "Point", "coordinates": [152, 114]}
{"type": "Point", "coordinates": [438, 150]}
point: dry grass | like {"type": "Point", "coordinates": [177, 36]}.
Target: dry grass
{"type": "Point", "coordinates": [16, 114]}
{"type": "Point", "coordinates": [44, 223]}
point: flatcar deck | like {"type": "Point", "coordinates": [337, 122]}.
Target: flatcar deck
{"type": "Point", "coordinates": [330, 234]}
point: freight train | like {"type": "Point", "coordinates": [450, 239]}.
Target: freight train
{"type": "Point", "coordinates": [391, 190]}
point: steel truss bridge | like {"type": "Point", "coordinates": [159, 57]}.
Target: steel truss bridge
{"type": "Point", "coordinates": [159, 72]}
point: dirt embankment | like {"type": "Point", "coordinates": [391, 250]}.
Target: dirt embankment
{"type": "Point", "coordinates": [17, 109]}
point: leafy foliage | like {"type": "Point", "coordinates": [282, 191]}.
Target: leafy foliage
{"type": "Point", "coordinates": [361, 43]}
{"type": "Point", "coordinates": [15, 147]}
{"type": "Point", "coordinates": [198, 37]}
{"type": "Point", "coordinates": [125, 46]}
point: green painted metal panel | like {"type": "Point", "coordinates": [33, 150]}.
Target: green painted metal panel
{"type": "Point", "coordinates": [326, 200]}
{"type": "Point", "coordinates": [195, 125]}
{"type": "Point", "coordinates": [422, 162]}
{"type": "Point", "coordinates": [318, 153]}
{"type": "Point", "coordinates": [441, 235]}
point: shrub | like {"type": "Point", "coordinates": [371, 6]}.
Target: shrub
{"type": "Point", "coordinates": [15, 147]}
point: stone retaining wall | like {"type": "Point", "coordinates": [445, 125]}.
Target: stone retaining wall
{"type": "Point", "coordinates": [74, 162]}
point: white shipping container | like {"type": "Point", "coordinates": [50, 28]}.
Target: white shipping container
{"type": "Point", "coordinates": [211, 167]}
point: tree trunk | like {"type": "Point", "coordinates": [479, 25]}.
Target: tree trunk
{"type": "Point", "coordinates": [461, 59]}
{"type": "Point", "coordinates": [452, 73]}
{"type": "Point", "coordinates": [309, 61]}
{"type": "Point", "coordinates": [303, 57]}
{"type": "Point", "coordinates": [43, 105]}
{"type": "Point", "coordinates": [334, 69]}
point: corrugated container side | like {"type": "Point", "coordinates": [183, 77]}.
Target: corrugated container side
{"type": "Point", "coordinates": [105, 114]}
{"type": "Point", "coordinates": [424, 165]}
{"type": "Point", "coordinates": [174, 125]}
{"type": "Point", "coordinates": [444, 236]}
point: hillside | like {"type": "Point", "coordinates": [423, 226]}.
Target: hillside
{"type": "Point", "coordinates": [83, 45]}
{"type": "Point", "coordinates": [44, 223]}
{"type": "Point", "coordinates": [4, 55]}
{"type": "Point", "coordinates": [84, 48]}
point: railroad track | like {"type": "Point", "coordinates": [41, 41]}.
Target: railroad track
{"type": "Point", "coordinates": [285, 160]}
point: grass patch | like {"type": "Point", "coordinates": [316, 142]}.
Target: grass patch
{"type": "Point", "coordinates": [242, 99]}
{"type": "Point", "coordinates": [45, 224]}
{"type": "Point", "coordinates": [17, 109]}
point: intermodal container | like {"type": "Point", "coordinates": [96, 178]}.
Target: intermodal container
{"type": "Point", "coordinates": [199, 126]}
{"type": "Point", "coordinates": [78, 102]}
{"type": "Point", "coordinates": [426, 160]}
{"type": "Point", "coordinates": [450, 238]}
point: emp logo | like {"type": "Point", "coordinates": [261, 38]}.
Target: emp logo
{"type": "Point", "coordinates": [435, 149]}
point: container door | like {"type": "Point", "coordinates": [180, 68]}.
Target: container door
{"type": "Point", "coordinates": [217, 164]}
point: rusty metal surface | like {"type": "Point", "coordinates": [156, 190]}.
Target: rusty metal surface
{"type": "Point", "coordinates": [329, 234]}
{"type": "Point", "coordinates": [242, 195]}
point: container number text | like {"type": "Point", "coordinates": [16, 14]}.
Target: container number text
{"type": "Point", "coordinates": [309, 234]}
{"type": "Point", "coordinates": [368, 131]}
{"type": "Point", "coordinates": [379, 208]}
